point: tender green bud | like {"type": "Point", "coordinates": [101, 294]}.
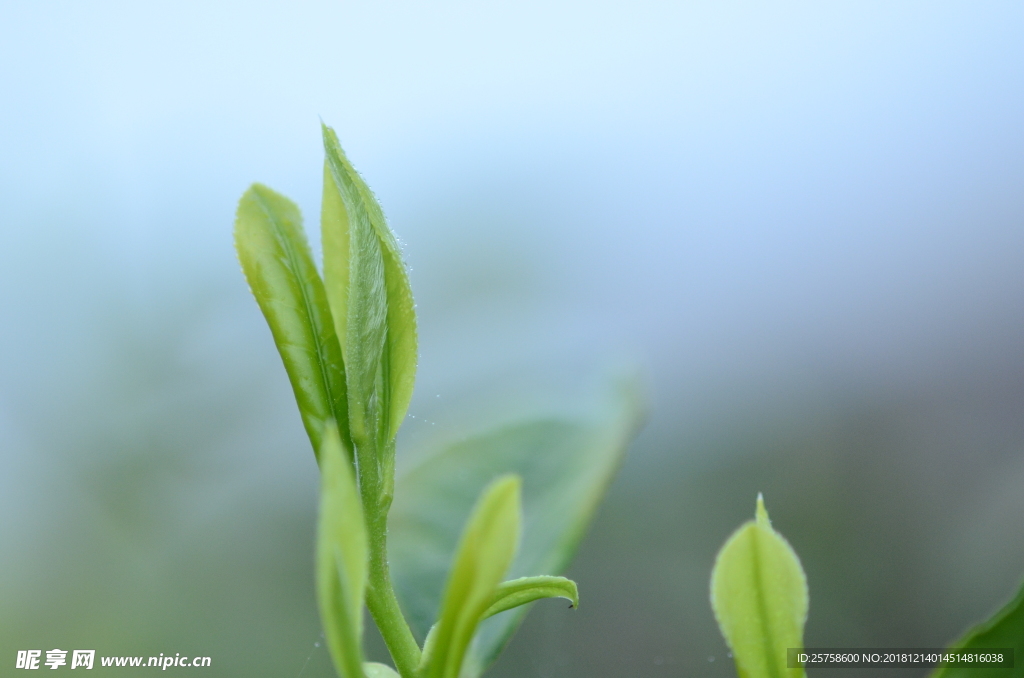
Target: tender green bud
{"type": "Point", "coordinates": [485, 552]}
{"type": "Point", "coordinates": [369, 292]}
{"type": "Point", "coordinates": [759, 595]}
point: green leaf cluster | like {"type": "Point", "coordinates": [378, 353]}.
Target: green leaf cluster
{"type": "Point", "coordinates": [511, 501]}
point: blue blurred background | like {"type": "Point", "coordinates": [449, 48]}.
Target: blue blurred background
{"type": "Point", "coordinates": [803, 220]}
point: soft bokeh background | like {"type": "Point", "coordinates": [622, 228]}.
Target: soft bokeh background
{"type": "Point", "coordinates": [802, 219]}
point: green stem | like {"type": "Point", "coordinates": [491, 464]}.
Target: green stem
{"type": "Point", "coordinates": [375, 487]}
{"type": "Point", "coordinates": [380, 598]}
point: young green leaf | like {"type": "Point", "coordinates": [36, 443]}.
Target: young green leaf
{"type": "Point", "coordinates": [512, 594]}
{"type": "Point", "coordinates": [341, 558]}
{"type": "Point", "coordinates": [1005, 629]}
{"type": "Point", "coordinates": [369, 292]}
{"type": "Point", "coordinates": [565, 464]}
{"type": "Point", "coordinates": [275, 258]}
{"type": "Point", "coordinates": [485, 552]}
{"type": "Point", "coordinates": [375, 670]}
{"type": "Point", "coordinates": [759, 595]}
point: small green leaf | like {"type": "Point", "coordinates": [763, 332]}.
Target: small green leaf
{"type": "Point", "coordinates": [759, 595]}
{"type": "Point", "coordinates": [369, 292]}
{"type": "Point", "coordinates": [1004, 629]}
{"type": "Point", "coordinates": [565, 464]}
{"type": "Point", "coordinates": [485, 552]}
{"type": "Point", "coordinates": [341, 558]}
{"type": "Point", "coordinates": [275, 258]}
{"type": "Point", "coordinates": [511, 594]}
{"type": "Point", "coordinates": [375, 670]}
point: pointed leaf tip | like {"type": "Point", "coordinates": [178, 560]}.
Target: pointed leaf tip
{"type": "Point", "coordinates": [761, 513]}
